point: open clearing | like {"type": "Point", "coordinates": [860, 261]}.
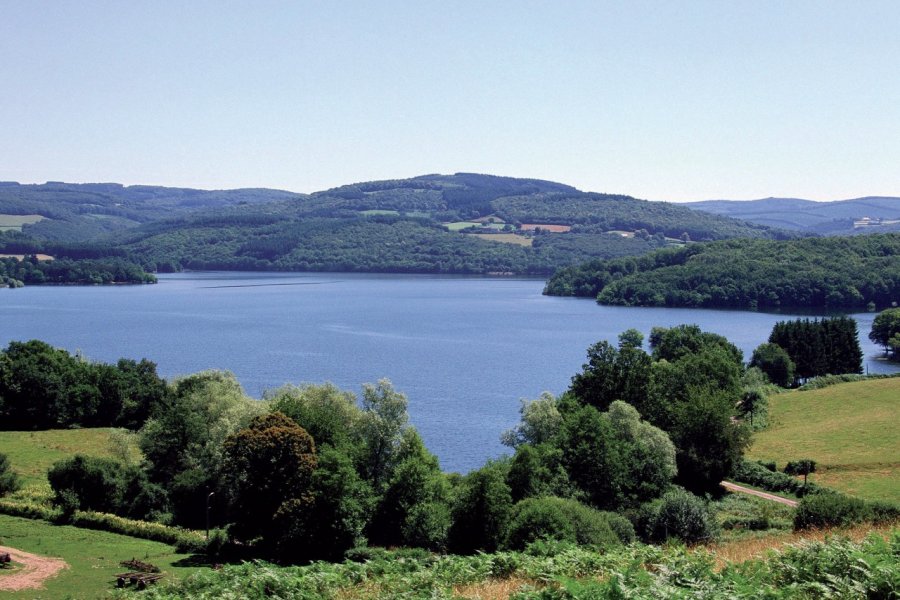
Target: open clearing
{"type": "Point", "coordinates": [505, 238]}
{"type": "Point", "coordinates": [93, 557]}
{"type": "Point", "coordinates": [849, 429]}
{"type": "Point", "coordinates": [9, 222]}
{"type": "Point", "coordinates": [31, 453]}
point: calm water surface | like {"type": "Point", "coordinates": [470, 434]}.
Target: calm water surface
{"type": "Point", "coordinates": [464, 350]}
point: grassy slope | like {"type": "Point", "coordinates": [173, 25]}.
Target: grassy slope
{"type": "Point", "coordinates": [850, 430]}
{"type": "Point", "coordinates": [33, 452]}
{"type": "Point", "coordinates": [93, 556]}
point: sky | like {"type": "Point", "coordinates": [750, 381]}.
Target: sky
{"type": "Point", "coordinates": [662, 100]}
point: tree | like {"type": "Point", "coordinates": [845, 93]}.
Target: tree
{"type": "Point", "coordinates": [268, 466]}
{"type": "Point", "coordinates": [328, 414]}
{"type": "Point", "coordinates": [183, 443]}
{"type": "Point", "coordinates": [775, 362]}
{"type": "Point", "coordinates": [885, 326]}
{"type": "Point", "coordinates": [631, 338]}
{"type": "Point", "coordinates": [820, 347]}
{"type": "Point", "coordinates": [612, 374]}
{"type": "Point", "coordinates": [539, 424]}
{"type": "Point", "coordinates": [481, 510]}
{"type": "Point", "coordinates": [381, 431]}
{"type": "Point", "coordinates": [803, 467]}
{"type": "Point", "coordinates": [414, 510]}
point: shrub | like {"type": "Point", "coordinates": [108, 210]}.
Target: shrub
{"type": "Point", "coordinates": [833, 509]}
{"type": "Point", "coordinates": [565, 520]}
{"type": "Point", "coordinates": [9, 481]}
{"type": "Point", "coordinates": [680, 515]}
{"type": "Point", "coordinates": [829, 509]}
{"type": "Point", "coordinates": [758, 474]}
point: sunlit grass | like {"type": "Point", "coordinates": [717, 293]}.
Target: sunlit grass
{"type": "Point", "coordinates": [849, 429]}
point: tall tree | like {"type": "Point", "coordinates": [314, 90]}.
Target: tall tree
{"type": "Point", "coordinates": [268, 466]}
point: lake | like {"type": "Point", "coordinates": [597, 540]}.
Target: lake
{"type": "Point", "coordinates": [464, 350]}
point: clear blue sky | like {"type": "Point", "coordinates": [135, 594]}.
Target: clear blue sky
{"type": "Point", "coordinates": [668, 100]}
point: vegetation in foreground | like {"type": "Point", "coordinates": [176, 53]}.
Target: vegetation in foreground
{"type": "Point", "coordinates": [633, 450]}
{"type": "Point", "coordinates": [849, 429]}
{"type": "Point", "coordinates": [837, 568]}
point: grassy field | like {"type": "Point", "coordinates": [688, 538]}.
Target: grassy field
{"type": "Point", "coordinates": [505, 238]}
{"type": "Point", "coordinates": [850, 430]}
{"type": "Point", "coordinates": [93, 557]}
{"type": "Point", "coordinates": [8, 222]}
{"type": "Point", "coordinates": [31, 453]}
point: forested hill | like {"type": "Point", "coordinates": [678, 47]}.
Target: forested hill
{"type": "Point", "coordinates": [872, 214]}
{"type": "Point", "coordinates": [810, 273]}
{"type": "Point", "coordinates": [79, 211]}
{"type": "Point", "coordinates": [462, 223]}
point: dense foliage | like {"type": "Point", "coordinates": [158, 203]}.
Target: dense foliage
{"type": "Point", "coordinates": [29, 270]}
{"type": "Point", "coordinates": [809, 273]}
{"type": "Point", "coordinates": [381, 226]}
{"type": "Point", "coordinates": [819, 347]}
{"type": "Point", "coordinates": [42, 387]}
{"type": "Point", "coordinates": [886, 331]}
{"type": "Point", "coordinates": [836, 568]}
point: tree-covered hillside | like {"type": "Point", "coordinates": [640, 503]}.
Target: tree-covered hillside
{"type": "Point", "coordinates": [423, 224]}
{"type": "Point", "coordinates": [809, 273]}
{"type": "Point", "coordinates": [79, 211]}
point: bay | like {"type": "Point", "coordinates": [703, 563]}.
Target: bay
{"type": "Point", "coordinates": [465, 350]}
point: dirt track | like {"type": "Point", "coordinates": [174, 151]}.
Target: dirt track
{"type": "Point", "coordinates": [34, 571]}
{"type": "Point", "coordinates": [731, 487]}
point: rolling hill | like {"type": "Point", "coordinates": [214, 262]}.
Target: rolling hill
{"type": "Point", "coordinates": [421, 224]}
{"type": "Point", "coordinates": [860, 215]}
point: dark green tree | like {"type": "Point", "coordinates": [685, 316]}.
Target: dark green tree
{"type": "Point", "coordinates": [481, 510]}
{"type": "Point", "coordinates": [268, 468]}
{"type": "Point", "coordinates": [775, 362]}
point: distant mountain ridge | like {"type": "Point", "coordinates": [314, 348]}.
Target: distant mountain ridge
{"type": "Point", "coordinates": [840, 217]}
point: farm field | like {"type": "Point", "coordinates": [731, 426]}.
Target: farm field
{"type": "Point", "coordinates": [849, 429]}
{"type": "Point", "coordinates": [92, 556]}
{"type": "Point", "coordinates": [31, 453]}
{"type": "Point", "coordinates": [505, 238]}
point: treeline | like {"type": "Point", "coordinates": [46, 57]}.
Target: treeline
{"type": "Point", "coordinates": [29, 270]}
{"type": "Point", "coordinates": [618, 212]}
{"type": "Point", "coordinates": [750, 274]}
{"type": "Point", "coordinates": [42, 387]}
{"type": "Point", "coordinates": [312, 471]}
{"type": "Point", "coordinates": [365, 244]}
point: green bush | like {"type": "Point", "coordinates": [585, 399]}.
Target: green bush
{"type": "Point", "coordinates": [758, 474]}
{"type": "Point", "coordinates": [564, 520]}
{"type": "Point", "coordinates": [9, 481]}
{"type": "Point", "coordinates": [832, 509]}
{"type": "Point", "coordinates": [677, 515]}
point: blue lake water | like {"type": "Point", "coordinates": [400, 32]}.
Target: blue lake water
{"type": "Point", "coordinates": [465, 350]}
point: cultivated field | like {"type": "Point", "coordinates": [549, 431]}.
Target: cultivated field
{"type": "Point", "coordinates": [850, 430]}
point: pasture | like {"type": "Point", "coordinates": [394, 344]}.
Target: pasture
{"type": "Point", "coordinates": [849, 429]}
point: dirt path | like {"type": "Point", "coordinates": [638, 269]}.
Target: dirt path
{"type": "Point", "coordinates": [34, 570]}
{"type": "Point", "coordinates": [731, 487]}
